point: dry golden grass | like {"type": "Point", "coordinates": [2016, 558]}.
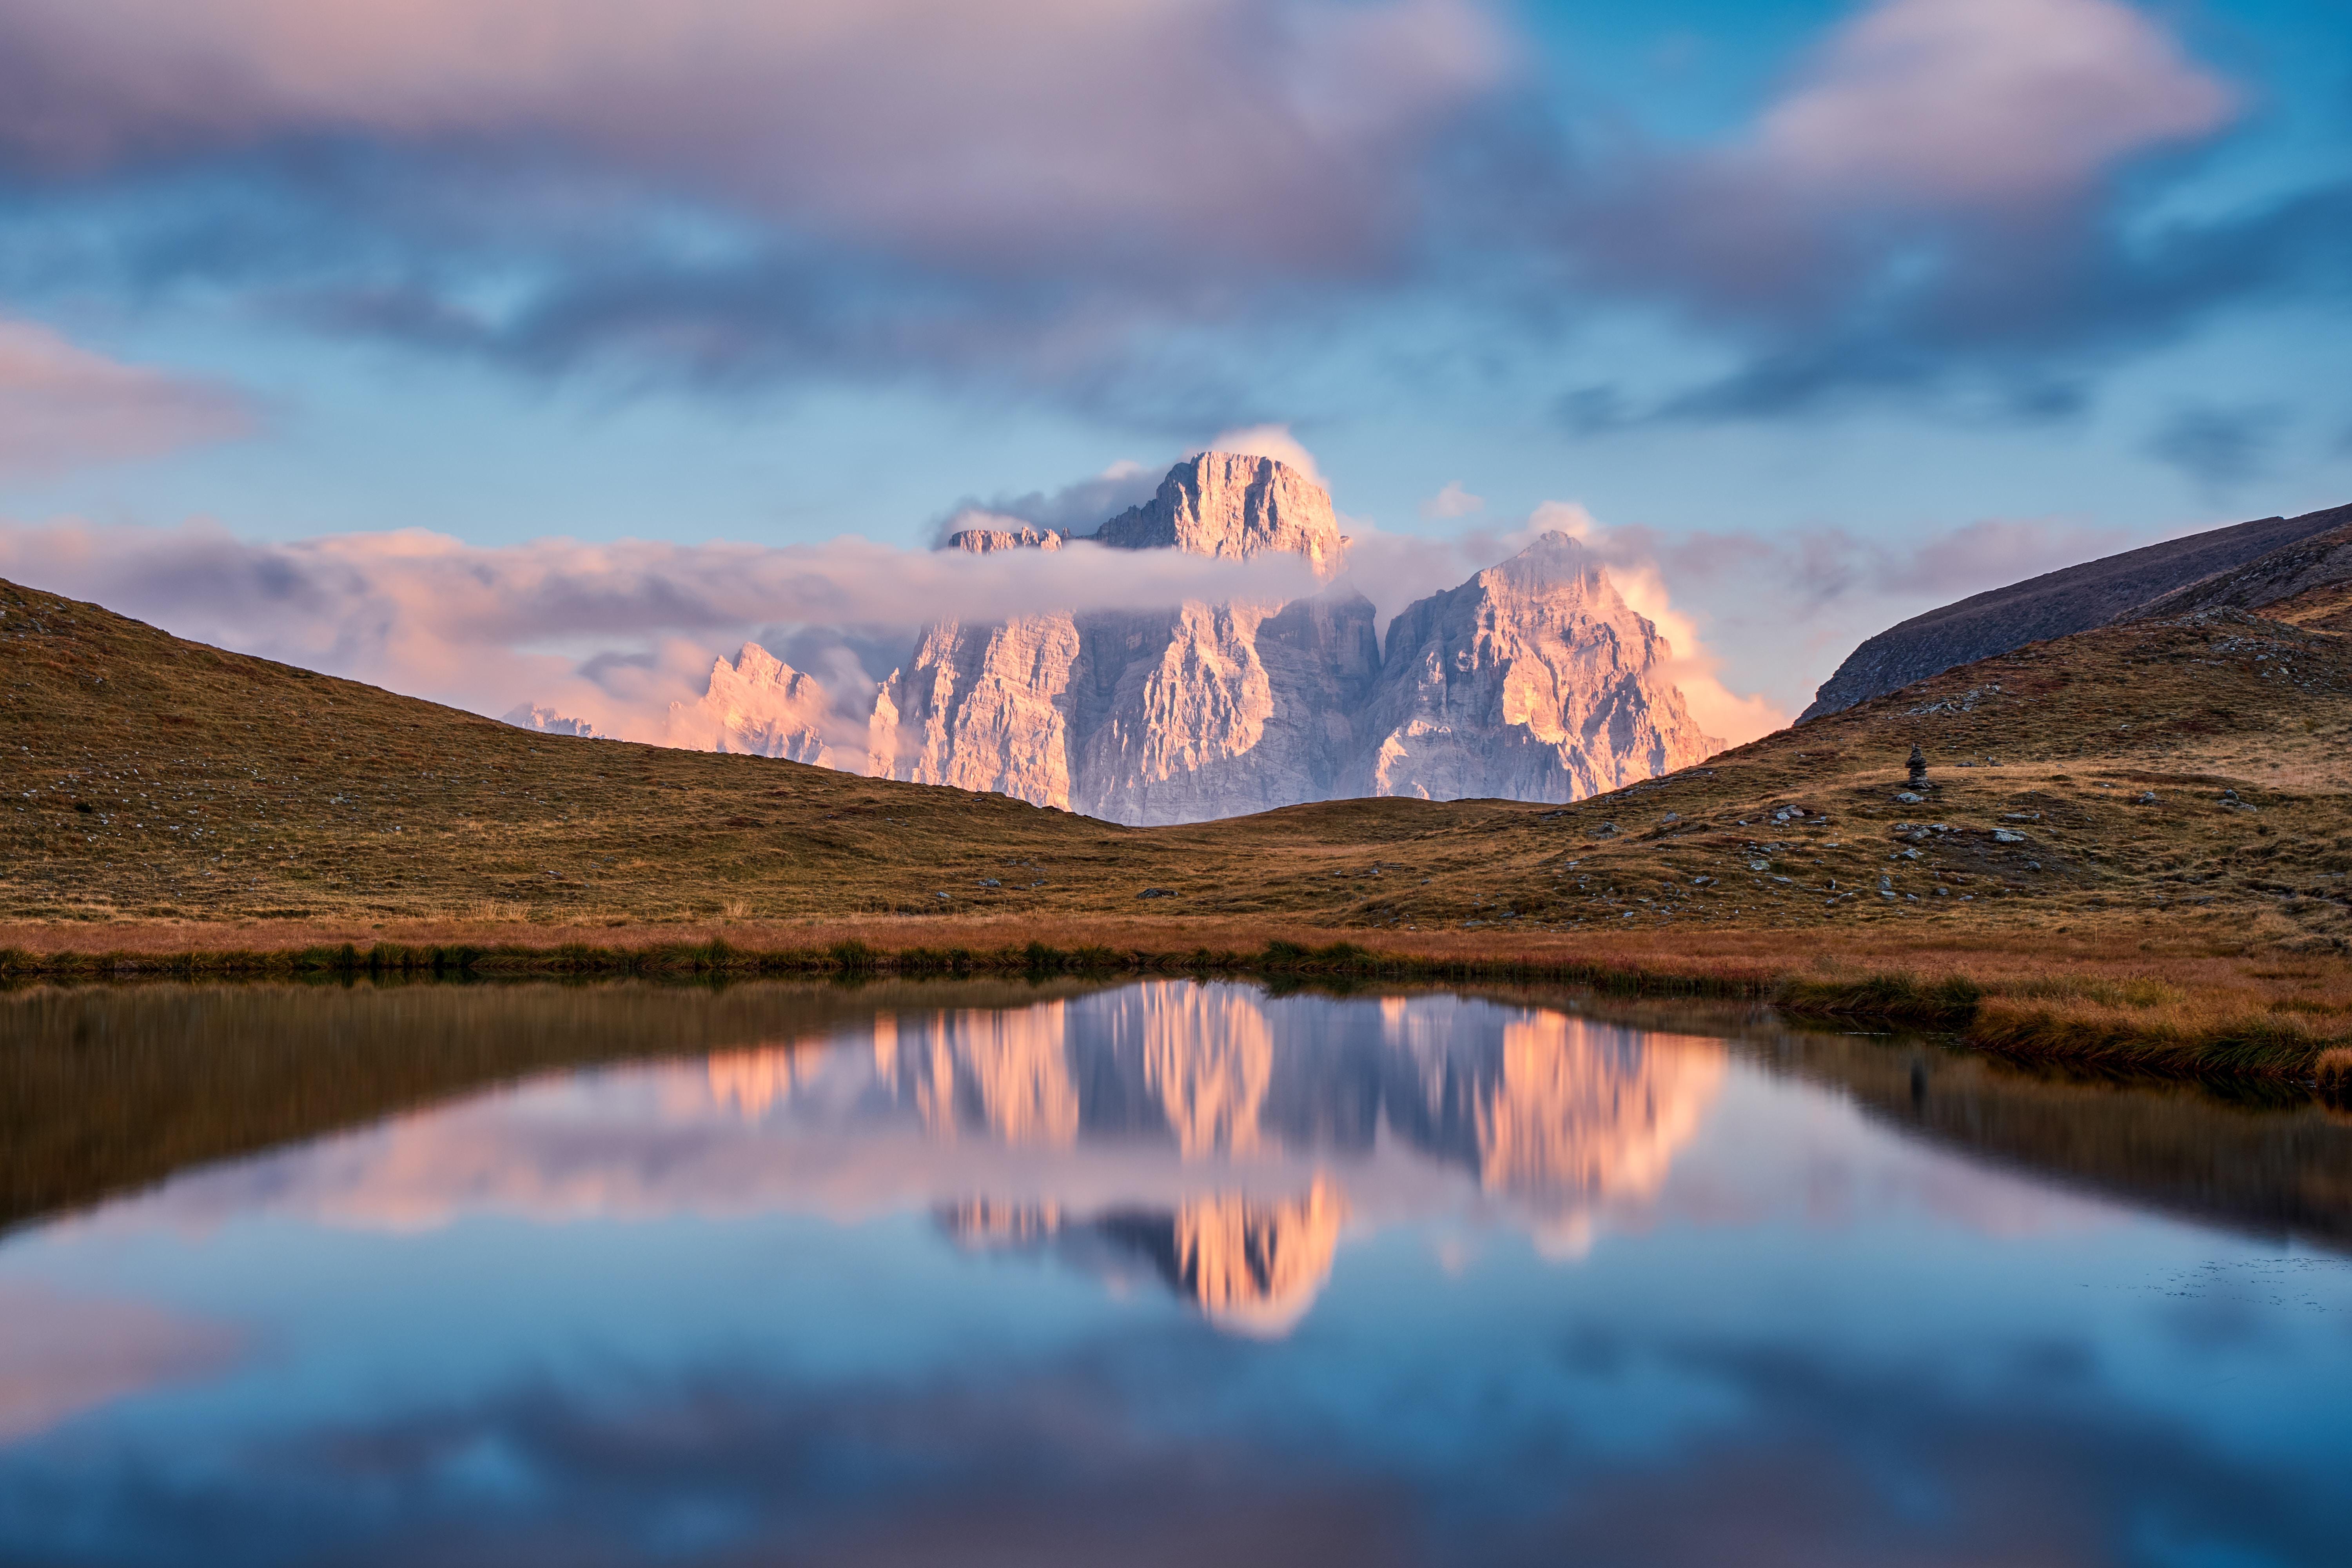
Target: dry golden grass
{"type": "Point", "coordinates": [164, 797]}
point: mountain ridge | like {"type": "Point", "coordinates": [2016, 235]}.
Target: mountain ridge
{"type": "Point", "coordinates": [2053, 605]}
{"type": "Point", "coordinates": [1537, 681]}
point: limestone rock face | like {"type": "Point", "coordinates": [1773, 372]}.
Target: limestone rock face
{"type": "Point", "coordinates": [1224, 503]}
{"type": "Point", "coordinates": [758, 705]}
{"type": "Point", "coordinates": [1534, 680]}
{"type": "Point", "coordinates": [980, 540]}
{"type": "Point", "coordinates": [982, 708]}
{"type": "Point", "coordinates": [548, 721]}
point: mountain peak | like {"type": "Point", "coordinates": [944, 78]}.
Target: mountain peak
{"type": "Point", "coordinates": [1232, 504]}
{"type": "Point", "coordinates": [1013, 535]}
{"type": "Point", "coordinates": [758, 705]}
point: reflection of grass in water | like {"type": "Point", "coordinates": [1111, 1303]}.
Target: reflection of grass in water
{"type": "Point", "coordinates": [110, 1088]}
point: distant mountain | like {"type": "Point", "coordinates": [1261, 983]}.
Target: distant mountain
{"type": "Point", "coordinates": [548, 721]}
{"type": "Point", "coordinates": [1532, 681]}
{"type": "Point", "coordinates": [2055, 604]}
{"type": "Point", "coordinates": [759, 705]}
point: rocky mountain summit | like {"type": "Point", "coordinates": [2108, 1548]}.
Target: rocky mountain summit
{"type": "Point", "coordinates": [759, 705]}
{"type": "Point", "coordinates": [1532, 681]}
{"type": "Point", "coordinates": [548, 721]}
{"type": "Point", "coordinates": [2055, 604]}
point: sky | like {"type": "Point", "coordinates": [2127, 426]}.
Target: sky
{"type": "Point", "coordinates": [513, 350]}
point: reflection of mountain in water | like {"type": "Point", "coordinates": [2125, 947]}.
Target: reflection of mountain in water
{"type": "Point", "coordinates": [1550, 1113]}
{"type": "Point", "coordinates": [1252, 1265]}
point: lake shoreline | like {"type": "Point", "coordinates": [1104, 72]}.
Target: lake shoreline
{"type": "Point", "coordinates": [2177, 1010]}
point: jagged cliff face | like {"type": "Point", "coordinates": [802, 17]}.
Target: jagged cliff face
{"type": "Point", "coordinates": [760, 705]}
{"type": "Point", "coordinates": [1534, 680]}
{"type": "Point", "coordinates": [980, 540]}
{"type": "Point", "coordinates": [1224, 503]}
{"type": "Point", "coordinates": [1181, 715]}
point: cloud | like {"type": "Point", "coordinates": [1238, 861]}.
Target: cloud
{"type": "Point", "coordinates": [62, 406]}
{"type": "Point", "coordinates": [607, 633]}
{"type": "Point", "coordinates": [1273, 441]}
{"type": "Point", "coordinates": [1984, 103]}
{"type": "Point", "coordinates": [64, 1355]}
{"type": "Point", "coordinates": [1151, 136]}
{"type": "Point", "coordinates": [2219, 446]}
{"type": "Point", "coordinates": [1074, 508]}
{"type": "Point", "coordinates": [1453, 502]}
{"type": "Point", "coordinates": [1145, 207]}
{"type": "Point", "coordinates": [1950, 200]}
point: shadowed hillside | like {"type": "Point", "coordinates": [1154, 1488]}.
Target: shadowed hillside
{"type": "Point", "coordinates": [2054, 604]}
{"type": "Point", "coordinates": [2074, 785]}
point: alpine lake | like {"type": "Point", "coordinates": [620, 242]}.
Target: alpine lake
{"type": "Point", "coordinates": [1141, 1273]}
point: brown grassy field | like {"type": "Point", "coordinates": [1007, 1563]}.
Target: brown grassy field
{"type": "Point", "coordinates": [2076, 855]}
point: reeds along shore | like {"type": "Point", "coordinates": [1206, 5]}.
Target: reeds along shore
{"type": "Point", "coordinates": [2217, 1014]}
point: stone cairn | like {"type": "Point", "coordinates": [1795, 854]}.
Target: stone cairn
{"type": "Point", "coordinates": [1918, 770]}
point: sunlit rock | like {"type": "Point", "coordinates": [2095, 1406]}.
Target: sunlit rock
{"type": "Point", "coordinates": [1534, 680]}
{"type": "Point", "coordinates": [759, 705]}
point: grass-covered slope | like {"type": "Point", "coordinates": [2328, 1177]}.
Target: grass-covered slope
{"type": "Point", "coordinates": [2136, 838]}
{"type": "Point", "coordinates": [150, 778]}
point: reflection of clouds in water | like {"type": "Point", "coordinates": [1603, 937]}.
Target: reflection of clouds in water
{"type": "Point", "coordinates": [1223, 1134]}
{"type": "Point", "coordinates": [1815, 1456]}
{"type": "Point", "coordinates": [61, 1355]}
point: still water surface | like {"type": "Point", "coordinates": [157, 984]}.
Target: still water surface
{"type": "Point", "coordinates": [1167, 1273]}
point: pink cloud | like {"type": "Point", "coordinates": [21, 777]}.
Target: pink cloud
{"type": "Point", "coordinates": [1986, 102]}
{"type": "Point", "coordinates": [63, 1355]}
{"type": "Point", "coordinates": [1157, 130]}
{"type": "Point", "coordinates": [609, 633]}
{"type": "Point", "coordinates": [62, 406]}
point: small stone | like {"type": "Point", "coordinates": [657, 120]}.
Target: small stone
{"type": "Point", "coordinates": [990, 882]}
{"type": "Point", "coordinates": [1147, 893]}
{"type": "Point", "coordinates": [1908, 798]}
{"type": "Point", "coordinates": [2148, 797]}
{"type": "Point", "coordinates": [2003, 836]}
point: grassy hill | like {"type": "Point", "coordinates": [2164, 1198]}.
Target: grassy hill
{"type": "Point", "coordinates": [2160, 805]}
